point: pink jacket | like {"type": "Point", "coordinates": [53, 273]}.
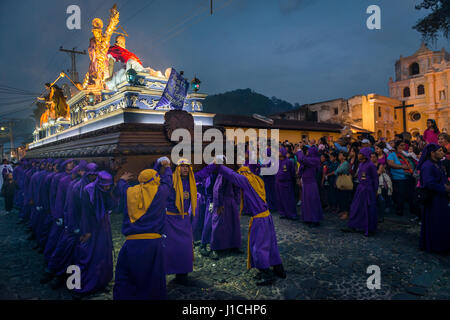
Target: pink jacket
{"type": "Point", "coordinates": [430, 136]}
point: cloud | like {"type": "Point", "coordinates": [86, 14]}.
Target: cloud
{"type": "Point", "coordinates": [289, 6]}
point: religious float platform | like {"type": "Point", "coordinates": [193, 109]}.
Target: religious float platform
{"type": "Point", "coordinates": [127, 125]}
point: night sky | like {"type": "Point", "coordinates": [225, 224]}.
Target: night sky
{"type": "Point", "coordinates": [297, 50]}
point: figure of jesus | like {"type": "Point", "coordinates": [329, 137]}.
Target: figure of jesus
{"type": "Point", "coordinates": [119, 53]}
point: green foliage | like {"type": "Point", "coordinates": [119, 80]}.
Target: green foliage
{"type": "Point", "coordinates": [244, 102]}
{"type": "Point", "coordinates": [438, 20]}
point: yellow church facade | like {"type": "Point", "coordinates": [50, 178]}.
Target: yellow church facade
{"type": "Point", "coordinates": [422, 80]}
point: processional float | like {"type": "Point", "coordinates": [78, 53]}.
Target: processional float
{"type": "Point", "coordinates": [127, 114]}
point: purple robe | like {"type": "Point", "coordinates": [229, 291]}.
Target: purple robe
{"type": "Point", "coordinates": [198, 220]}
{"type": "Point", "coordinates": [62, 256]}
{"type": "Point", "coordinates": [311, 206]}
{"type": "Point", "coordinates": [263, 241]}
{"type": "Point", "coordinates": [140, 272]}
{"type": "Point", "coordinates": [435, 229]}
{"type": "Point", "coordinates": [178, 253]}
{"type": "Point", "coordinates": [207, 224]}
{"type": "Point", "coordinates": [363, 210]}
{"type": "Point", "coordinates": [57, 227]}
{"type": "Point", "coordinates": [45, 227]}
{"type": "Point", "coordinates": [35, 183]}
{"type": "Point", "coordinates": [25, 211]}
{"type": "Point", "coordinates": [285, 183]}
{"type": "Point", "coordinates": [226, 228]}
{"type": "Point", "coordinates": [95, 254]}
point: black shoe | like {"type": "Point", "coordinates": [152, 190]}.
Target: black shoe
{"type": "Point", "coordinates": [47, 277]}
{"type": "Point", "coordinates": [278, 270]}
{"type": "Point", "coordinates": [237, 250]}
{"type": "Point", "coordinates": [267, 277]}
{"type": "Point", "coordinates": [214, 255]}
{"type": "Point", "coordinates": [31, 237]}
{"type": "Point", "coordinates": [283, 217]}
{"type": "Point", "coordinates": [36, 247]}
{"type": "Point", "coordinates": [204, 252]}
{"type": "Point", "coordinates": [41, 250]}
{"type": "Point", "coordinates": [349, 230]}
{"type": "Point", "coordinates": [21, 221]}
{"type": "Point", "coordinates": [58, 282]}
{"type": "Point", "coordinates": [294, 218]}
{"type": "Point", "coordinates": [183, 280]}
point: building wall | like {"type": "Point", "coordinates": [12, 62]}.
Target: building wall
{"type": "Point", "coordinates": [434, 75]}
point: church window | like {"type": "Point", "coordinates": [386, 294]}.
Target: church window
{"type": "Point", "coordinates": [379, 112]}
{"type": "Point", "coordinates": [420, 90]}
{"type": "Point", "coordinates": [414, 69]}
{"type": "Point", "coordinates": [336, 111]}
{"type": "Point", "coordinates": [415, 116]}
{"type": "Point", "coordinates": [406, 92]}
{"type": "Point", "coordinates": [442, 95]}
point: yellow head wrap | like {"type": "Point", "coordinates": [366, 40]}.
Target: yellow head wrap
{"type": "Point", "coordinates": [178, 186]}
{"type": "Point", "coordinates": [140, 197]}
{"type": "Point", "coordinates": [256, 182]}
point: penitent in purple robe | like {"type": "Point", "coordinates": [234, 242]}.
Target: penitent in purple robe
{"type": "Point", "coordinates": [140, 272]}
{"type": "Point", "coordinates": [57, 226]}
{"type": "Point", "coordinates": [35, 184]}
{"type": "Point", "coordinates": [62, 256]}
{"type": "Point", "coordinates": [178, 252]}
{"type": "Point", "coordinates": [363, 210]}
{"type": "Point", "coordinates": [263, 241]}
{"type": "Point", "coordinates": [25, 211]}
{"type": "Point", "coordinates": [46, 225]}
{"type": "Point", "coordinates": [435, 229]}
{"type": "Point", "coordinates": [198, 220]}
{"type": "Point", "coordinates": [285, 182]}
{"type": "Point", "coordinates": [209, 190]}
{"type": "Point", "coordinates": [95, 254]}
{"type": "Point", "coordinates": [309, 165]}
{"type": "Point", "coordinates": [226, 228]}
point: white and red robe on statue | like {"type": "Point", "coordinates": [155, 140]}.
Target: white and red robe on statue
{"type": "Point", "coordinates": [128, 58]}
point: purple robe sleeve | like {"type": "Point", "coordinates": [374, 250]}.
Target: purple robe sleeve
{"type": "Point", "coordinates": [233, 177]}
{"type": "Point", "coordinates": [202, 174]}
{"type": "Point", "coordinates": [304, 160]}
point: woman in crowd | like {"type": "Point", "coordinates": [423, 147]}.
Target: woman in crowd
{"type": "Point", "coordinates": [344, 188]}
{"type": "Point", "coordinates": [430, 135]}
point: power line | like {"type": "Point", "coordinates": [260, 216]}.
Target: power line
{"type": "Point", "coordinates": [187, 25]}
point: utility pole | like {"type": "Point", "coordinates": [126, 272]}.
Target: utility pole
{"type": "Point", "coordinates": [211, 7]}
{"type": "Point", "coordinates": [73, 52]}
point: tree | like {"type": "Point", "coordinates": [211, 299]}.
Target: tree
{"type": "Point", "coordinates": [436, 21]}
